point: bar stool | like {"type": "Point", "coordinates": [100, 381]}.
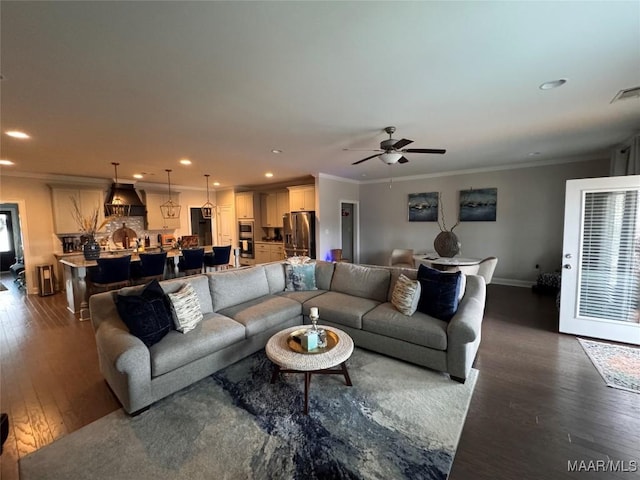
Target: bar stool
{"type": "Point", "coordinates": [219, 259]}
{"type": "Point", "coordinates": [151, 266]}
{"type": "Point", "coordinates": [109, 274]}
{"type": "Point", "coordinates": [191, 261]}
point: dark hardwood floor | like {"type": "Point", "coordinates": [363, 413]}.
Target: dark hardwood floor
{"type": "Point", "coordinates": [538, 404]}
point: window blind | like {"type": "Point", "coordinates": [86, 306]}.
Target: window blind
{"type": "Point", "coordinates": [610, 256]}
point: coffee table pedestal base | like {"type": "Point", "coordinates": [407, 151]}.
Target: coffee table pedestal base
{"type": "Point", "coordinates": [342, 370]}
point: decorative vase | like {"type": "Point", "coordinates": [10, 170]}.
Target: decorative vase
{"type": "Point", "coordinates": [91, 249]}
{"type": "Point", "coordinates": [447, 244]}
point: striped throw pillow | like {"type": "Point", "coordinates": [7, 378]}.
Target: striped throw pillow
{"type": "Point", "coordinates": [406, 295]}
{"type": "Point", "coordinates": [185, 308]}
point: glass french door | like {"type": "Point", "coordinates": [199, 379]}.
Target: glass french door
{"type": "Point", "coordinates": [600, 292]}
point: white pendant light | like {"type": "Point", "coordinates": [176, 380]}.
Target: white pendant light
{"type": "Point", "coordinates": [207, 208]}
{"type": "Point", "coordinates": [170, 209]}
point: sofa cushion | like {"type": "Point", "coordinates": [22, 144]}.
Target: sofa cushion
{"type": "Point", "coordinates": [340, 308]}
{"type": "Point", "coordinates": [275, 276]}
{"type": "Point", "coordinates": [406, 295]}
{"type": "Point", "coordinates": [200, 284]}
{"type": "Point", "coordinates": [263, 313]}
{"type": "Point", "coordinates": [410, 273]}
{"type": "Point", "coordinates": [145, 312]}
{"type": "Point", "coordinates": [365, 282]}
{"type": "Point", "coordinates": [419, 328]}
{"type": "Point", "coordinates": [440, 292]}
{"type": "Point", "coordinates": [185, 308]}
{"type": "Point", "coordinates": [303, 296]}
{"type": "Point", "coordinates": [176, 350]}
{"type": "Point", "coordinates": [299, 278]}
{"type": "Point", "coordinates": [324, 274]}
{"type": "Point", "coordinates": [234, 287]}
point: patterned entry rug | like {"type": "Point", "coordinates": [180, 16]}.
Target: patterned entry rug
{"type": "Point", "coordinates": [397, 421]}
{"type": "Point", "coordinates": [619, 366]}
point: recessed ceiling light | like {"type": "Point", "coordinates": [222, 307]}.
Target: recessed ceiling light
{"type": "Point", "coordinates": [17, 134]}
{"type": "Point", "coordinates": [6, 162]}
{"type": "Point", "coordinates": [268, 174]}
{"type": "Point", "coordinates": [185, 161]}
{"type": "Point", "coordinates": [275, 150]}
{"type": "Point", "coordinates": [553, 84]}
{"type": "Point", "coordinates": [138, 176]}
{"type": "Point", "coordinates": [216, 184]}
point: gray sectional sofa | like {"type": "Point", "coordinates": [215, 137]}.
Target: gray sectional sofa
{"type": "Point", "coordinates": [243, 308]}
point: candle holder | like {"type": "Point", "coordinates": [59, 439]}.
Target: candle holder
{"type": "Point", "coordinates": [314, 322]}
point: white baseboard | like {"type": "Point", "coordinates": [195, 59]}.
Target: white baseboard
{"type": "Point", "coordinates": [512, 282]}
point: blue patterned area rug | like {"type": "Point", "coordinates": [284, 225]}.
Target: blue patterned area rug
{"type": "Point", "coordinates": [397, 421]}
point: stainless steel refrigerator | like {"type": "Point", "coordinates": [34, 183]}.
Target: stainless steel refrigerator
{"type": "Point", "coordinates": [300, 234]}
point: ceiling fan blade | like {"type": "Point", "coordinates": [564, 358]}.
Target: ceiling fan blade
{"type": "Point", "coordinates": [365, 159]}
{"type": "Point", "coordinates": [403, 160]}
{"type": "Point", "coordinates": [424, 150]}
{"type": "Point", "coordinates": [402, 143]}
{"type": "Point", "coordinates": [362, 150]}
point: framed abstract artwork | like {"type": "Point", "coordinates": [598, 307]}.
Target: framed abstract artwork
{"type": "Point", "coordinates": [478, 205]}
{"type": "Point", "coordinates": [423, 207]}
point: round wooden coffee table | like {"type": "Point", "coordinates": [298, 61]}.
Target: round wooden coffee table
{"type": "Point", "coordinates": [319, 361]}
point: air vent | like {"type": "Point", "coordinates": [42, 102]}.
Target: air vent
{"type": "Point", "coordinates": [628, 93]}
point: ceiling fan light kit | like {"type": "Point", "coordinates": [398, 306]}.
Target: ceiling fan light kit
{"type": "Point", "coordinates": [393, 150]}
{"type": "Point", "coordinates": [390, 157]}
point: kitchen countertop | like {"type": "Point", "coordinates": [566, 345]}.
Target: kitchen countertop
{"type": "Point", "coordinates": [279, 242]}
{"type": "Point", "coordinates": [77, 260]}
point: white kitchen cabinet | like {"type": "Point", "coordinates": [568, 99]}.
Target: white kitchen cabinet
{"type": "Point", "coordinates": [276, 252]}
{"type": "Point", "coordinates": [262, 253]}
{"type": "Point", "coordinates": [302, 199]}
{"type": "Point", "coordinates": [266, 252]}
{"type": "Point", "coordinates": [282, 206]}
{"type": "Point", "coordinates": [88, 200]}
{"type": "Point", "coordinates": [155, 220]}
{"type": "Point", "coordinates": [245, 205]}
{"type": "Point", "coordinates": [274, 205]}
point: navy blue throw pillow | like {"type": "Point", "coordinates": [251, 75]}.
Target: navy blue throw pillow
{"type": "Point", "coordinates": [147, 315]}
{"type": "Point", "coordinates": [439, 292]}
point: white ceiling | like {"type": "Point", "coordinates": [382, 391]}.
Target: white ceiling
{"type": "Point", "coordinates": [223, 83]}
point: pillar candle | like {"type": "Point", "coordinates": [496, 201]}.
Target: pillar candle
{"type": "Point", "coordinates": [314, 312]}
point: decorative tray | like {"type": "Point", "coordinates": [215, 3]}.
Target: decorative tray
{"type": "Point", "coordinates": [295, 345]}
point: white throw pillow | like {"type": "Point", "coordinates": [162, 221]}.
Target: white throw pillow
{"type": "Point", "coordinates": [185, 308]}
{"type": "Point", "coordinates": [406, 295]}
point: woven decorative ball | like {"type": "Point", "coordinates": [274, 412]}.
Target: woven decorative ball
{"type": "Point", "coordinates": [447, 244]}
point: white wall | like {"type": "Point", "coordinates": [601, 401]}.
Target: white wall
{"type": "Point", "coordinates": [330, 193]}
{"type": "Point", "coordinates": [527, 231]}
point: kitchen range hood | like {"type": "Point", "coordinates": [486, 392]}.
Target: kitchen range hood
{"type": "Point", "coordinates": [123, 201]}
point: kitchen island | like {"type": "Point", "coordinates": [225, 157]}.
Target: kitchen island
{"type": "Point", "coordinates": [74, 273]}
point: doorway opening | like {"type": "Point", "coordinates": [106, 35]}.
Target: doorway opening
{"type": "Point", "coordinates": [201, 227]}
{"type": "Point", "coordinates": [10, 236]}
{"type": "Point", "coordinates": [348, 211]}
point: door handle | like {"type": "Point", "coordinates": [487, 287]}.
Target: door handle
{"type": "Point", "coordinates": [567, 266]}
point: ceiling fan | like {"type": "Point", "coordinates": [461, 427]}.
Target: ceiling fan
{"type": "Point", "coordinates": [392, 151]}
